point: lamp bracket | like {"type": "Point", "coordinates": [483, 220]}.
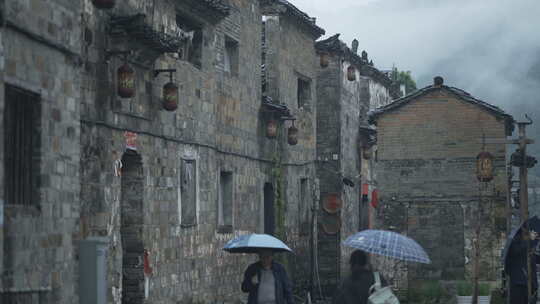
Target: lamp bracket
{"type": "Point", "coordinates": [158, 71]}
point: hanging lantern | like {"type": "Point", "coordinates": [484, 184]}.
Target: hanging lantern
{"type": "Point", "coordinates": [292, 135]}
{"type": "Point", "coordinates": [484, 167]}
{"type": "Point", "coordinates": [104, 4]}
{"type": "Point", "coordinates": [324, 60]}
{"type": "Point", "coordinates": [271, 129]}
{"type": "Point", "coordinates": [170, 95]}
{"type": "Point", "coordinates": [126, 81]}
{"type": "Point", "coordinates": [351, 73]}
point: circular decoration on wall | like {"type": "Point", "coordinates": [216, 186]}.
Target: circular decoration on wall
{"type": "Point", "coordinates": [331, 223]}
{"type": "Point", "coordinates": [332, 203]}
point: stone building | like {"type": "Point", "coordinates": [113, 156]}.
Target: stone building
{"type": "Point", "coordinates": [142, 191]}
{"type": "Point", "coordinates": [40, 79]}
{"type": "Point", "coordinates": [290, 98]}
{"type": "Point", "coordinates": [427, 147]}
{"type": "Point", "coordinates": [348, 85]}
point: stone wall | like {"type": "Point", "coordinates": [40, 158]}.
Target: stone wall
{"type": "Point", "coordinates": [342, 111]}
{"type": "Point", "coordinates": [328, 167]}
{"type": "Point", "coordinates": [290, 56]}
{"type": "Point", "coordinates": [426, 172]}
{"type": "Point", "coordinates": [215, 128]}
{"type": "Point", "coordinates": [40, 46]}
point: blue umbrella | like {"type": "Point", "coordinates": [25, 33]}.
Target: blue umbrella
{"type": "Point", "coordinates": [389, 244]}
{"type": "Point", "coordinates": [253, 243]}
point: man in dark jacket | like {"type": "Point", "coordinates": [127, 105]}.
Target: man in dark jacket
{"type": "Point", "coordinates": [517, 269]}
{"type": "Point", "coordinates": [267, 282]}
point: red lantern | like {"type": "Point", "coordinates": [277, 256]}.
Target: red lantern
{"type": "Point", "coordinates": [170, 96]}
{"type": "Point", "coordinates": [126, 81]}
{"type": "Point", "coordinates": [332, 203]}
{"type": "Point", "coordinates": [324, 60]}
{"type": "Point", "coordinates": [484, 167]}
{"type": "Point", "coordinates": [351, 73]}
{"type": "Point", "coordinates": [104, 4]}
{"type": "Point", "coordinates": [271, 129]}
{"type": "Point", "coordinates": [292, 135]}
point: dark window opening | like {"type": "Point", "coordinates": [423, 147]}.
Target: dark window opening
{"type": "Point", "coordinates": [225, 202]}
{"type": "Point", "coordinates": [304, 93]}
{"type": "Point", "coordinates": [230, 63]}
{"type": "Point", "coordinates": [269, 212]}
{"type": "Point", "coordinates": [131, 226]}
{"type": "Point", "coordinates": [192, 51]}
{"type": "Point", "coordinates": [21, 146]}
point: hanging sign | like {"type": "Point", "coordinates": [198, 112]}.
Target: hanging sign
{"type": "Point", "coordinates": [484, 167]}
{"type": "Point", "coordinates": [375, 198]}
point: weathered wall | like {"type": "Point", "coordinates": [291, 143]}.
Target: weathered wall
{"type": "Point", "coordinates": [328, 165]}
{"type": "Point", "coordinates": [217, 125]}
{"type": "Point", "coordinates": [40, 45]}
{"type": "Point", "coordinates": [290, 55]}
{"type": "Point", "coordinates": [426, 172]}
{"type": "Point", "coordinates": [342, 111]}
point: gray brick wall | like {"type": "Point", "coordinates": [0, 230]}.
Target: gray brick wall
{"type": "Point", "coordinates": [342, 107]}
{"type": "Point", "coordinates": [290, 55]}
{"type": "Point", "coordinates": [426, 171]}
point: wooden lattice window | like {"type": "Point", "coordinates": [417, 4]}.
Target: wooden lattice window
{"type": "Point", "coordinates": [21, 146]}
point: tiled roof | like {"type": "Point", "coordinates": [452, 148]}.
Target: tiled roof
{"type": "Point", "coordinates": [218, 5]}
{"type": "Point", "coordinates": [459, 93]}
{"type": "Point", "coordinates": [215, 10]}
{"type": "Point", "coordinates": [300, 15]}
{"type": "Point", "coordinates": [365, 67]}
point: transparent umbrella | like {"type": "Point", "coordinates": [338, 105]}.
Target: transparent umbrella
{"type": "Point", "coordinates": [388, 243]}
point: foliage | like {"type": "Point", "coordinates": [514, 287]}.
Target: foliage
{"type": "Point", "coordinates": [428, 292]}
{"type": "Point", "coordinates": [279, 196]}
{"type": "Point", "coordinates": [404, 78]}
{"type": "Point", "coordinates": [464, 288]}
{"type": "Point", "coordinates": [484, 289]}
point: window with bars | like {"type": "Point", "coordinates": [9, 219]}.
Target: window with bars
{"type": "Point", "coordinates": [21, 146]}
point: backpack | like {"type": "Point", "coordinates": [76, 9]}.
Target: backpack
{"type": "Point", "coordinates": [381, 295]}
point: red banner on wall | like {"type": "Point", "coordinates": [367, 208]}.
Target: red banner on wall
{"type": "Point", "coordinates": [375, 198]}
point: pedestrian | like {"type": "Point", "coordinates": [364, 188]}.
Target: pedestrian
{"type": "Point", "coordinates": [355, 287]}
{"type": "Point", "coordinates": [517, 268]}
{"type": "Point", "coordinates": [267, 282]}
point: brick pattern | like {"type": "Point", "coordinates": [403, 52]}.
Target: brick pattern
{"type": "Point", "coordinates": [38, 242]}
{"type": "Point", "coordinates": [342, 107]}
{"type": "Point", "coordinates": [426, 174]}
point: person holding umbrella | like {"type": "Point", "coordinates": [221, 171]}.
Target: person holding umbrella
{"type": "Point", "coordinates": [267, 282]}
{"type": "Point", "coordinates": [355, 289]}
{"type": "Point", "coordinates": [517, 268]}
{"type": "Point", "coordinates": [380, 242]}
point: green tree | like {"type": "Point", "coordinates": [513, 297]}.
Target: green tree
{"type": "Point", "coordinates": [404, 78]}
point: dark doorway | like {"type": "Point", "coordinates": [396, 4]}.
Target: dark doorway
{"type": "Point", "coordinates": [131, 229]}
{"type": "Point", "coordinates": [269, 212]}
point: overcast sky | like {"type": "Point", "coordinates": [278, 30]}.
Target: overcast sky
{"type": "Point", "coordinates": [490, 48]}
{"type": "Point", "coordinates": [483, 46]}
